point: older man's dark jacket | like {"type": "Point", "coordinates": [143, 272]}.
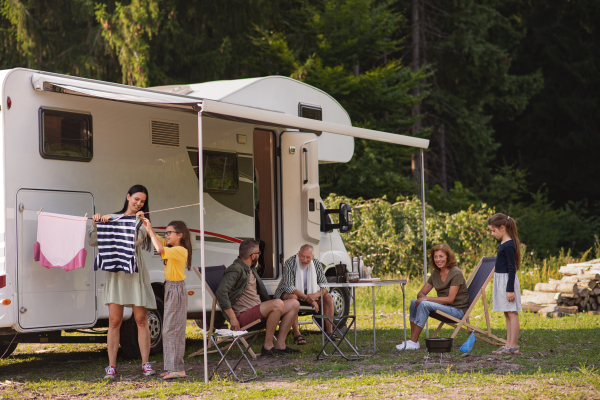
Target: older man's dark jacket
{"type": "Point", "coordinates": [234, 283]}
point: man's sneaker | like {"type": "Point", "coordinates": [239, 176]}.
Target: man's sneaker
{"type": "Point", "coordinates": [147, 369]}
{"type": "Point", "coordinates": [286, 351]}
{"type": "Point", "coordinates": [111, 372]}
{"type": "Point", "coordinates": [410, 345]}
{"type": "Point", "coordinates": [269, 353]}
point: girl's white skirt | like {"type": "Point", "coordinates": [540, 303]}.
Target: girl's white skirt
{"type": "Point", "coordinates": [499, 297]}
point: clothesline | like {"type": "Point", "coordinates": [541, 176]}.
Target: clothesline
{"type": "Point", "coordinates": [174, 208]}
{"type": "Point", "coordinates": [147, 212]}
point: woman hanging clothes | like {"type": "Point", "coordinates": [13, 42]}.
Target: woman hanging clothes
{"type": "Point", "coordinates": [123, 289]}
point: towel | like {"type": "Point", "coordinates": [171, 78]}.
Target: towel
{"type": "Point", "coordinates": [60, 241]}
{"type": "Point", "coordinates": [116, 245]}
{"type": "Point", "coordinates": [311, 278]}
{"type": "Point", "coordinates": [229, 332]}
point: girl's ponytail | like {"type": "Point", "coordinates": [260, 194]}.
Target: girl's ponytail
{"type": "Point", "coordinates": [186, 241]}
{"type": "Point", "coordinates": [498, 220]}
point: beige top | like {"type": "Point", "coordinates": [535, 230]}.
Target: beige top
{"type": "Point", "coordinates": [455, 278]}
{"type": "Point", "coordinates": [128, 289]}
{"type": "Point", "coordinates": [249, 299]}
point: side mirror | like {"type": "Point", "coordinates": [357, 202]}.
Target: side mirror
{"type": "Point", "coordinates": [345, 219]}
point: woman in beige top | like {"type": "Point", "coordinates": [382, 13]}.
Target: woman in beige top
{"type": "Point", "coordinates": [452, 294]}
{"type": "Point", "coordinates": [129, 290]}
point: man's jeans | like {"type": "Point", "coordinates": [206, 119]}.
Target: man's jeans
{"type": "Point", "coordinates": [419, 315]}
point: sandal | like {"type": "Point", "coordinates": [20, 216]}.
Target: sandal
{"type": "Point", "coordinates": [513, 350]}
{"type": "Point", "coordinates": [173, 375]}
{"type": "Point", "coordinates": [335, 337]}
{"type": "Point", "coordinates": [299, 340]}
{"type": "Point", "coordinates": [501, 350]}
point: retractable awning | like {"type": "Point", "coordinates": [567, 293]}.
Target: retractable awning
{"type": "Point", "coordinates": [227, 111]}
{"type": "Point", "coordinates": [214, 109]}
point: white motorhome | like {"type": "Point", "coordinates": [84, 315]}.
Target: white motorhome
{"type": "Point", "coordinates": [74, 146]}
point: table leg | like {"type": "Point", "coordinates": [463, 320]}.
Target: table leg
{"type": "Point", "coordinates": [354, 305]}
{"type": "Point", "coordinates": [374, 331]}
{"type": "Point", "coordinates": [404, 313]}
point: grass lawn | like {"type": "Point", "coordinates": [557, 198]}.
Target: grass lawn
{"type": "Point", "coordinates": [560, 359]}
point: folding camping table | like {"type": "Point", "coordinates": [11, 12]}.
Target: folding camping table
{"type": "Point", "coordinates": [354, 348]}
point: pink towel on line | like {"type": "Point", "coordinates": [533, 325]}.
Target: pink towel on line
{"type": "Point", "coordinates": [60, 241]}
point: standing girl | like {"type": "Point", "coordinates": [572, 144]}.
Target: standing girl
{"type": "Point", "coordinates": [507, 291]}
{"type": "Point", "coordinates": [176, 251]}
{"type": "Point", "coordinates": [128, 290]}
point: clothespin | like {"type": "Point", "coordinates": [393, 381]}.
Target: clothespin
{"type": "Point", "coordinates": [41, 208]}
{"type": "Point", "coordinates": [85, 216]}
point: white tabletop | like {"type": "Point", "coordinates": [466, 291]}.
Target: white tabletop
{"type": "Point", "coordinates": [364, 283]}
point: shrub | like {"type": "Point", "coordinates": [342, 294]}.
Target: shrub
{"type": "Point", "coordinates": [389, 236]}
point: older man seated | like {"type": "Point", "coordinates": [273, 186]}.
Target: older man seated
{"type": "Point", "coordinates": [302, 274]}
{"type": "Point", "coordinates": [244, 299]}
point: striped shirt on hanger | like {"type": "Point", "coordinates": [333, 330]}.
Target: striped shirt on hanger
{"type": "Point", "coordinates": [116, 245]}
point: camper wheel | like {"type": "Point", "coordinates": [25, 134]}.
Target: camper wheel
{"type": "Point", "coordinates": [7, 350]}
{"type": "Point", "coordinates": [129, 337]}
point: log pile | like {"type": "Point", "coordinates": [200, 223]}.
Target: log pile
{"type": "Point", "coordinates": [577, 290]}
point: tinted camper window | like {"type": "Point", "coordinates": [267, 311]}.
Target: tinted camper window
{"type": "Point", "coordinates": [220, 170]}
{"type": "Point", "coordinates": [65, 135]}
{"type": "Point", "coordinates": [311, 112]}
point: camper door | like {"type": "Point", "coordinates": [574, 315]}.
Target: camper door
{"type": "Point", "coordinates": [300, 192]}
{"type": "Point", "coordinates": [52, 298]}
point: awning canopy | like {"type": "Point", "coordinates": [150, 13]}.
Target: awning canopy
{"type": "Point", "coordinates": [227, 111]}
{"type": "Point", "coordinates": [215, 109]}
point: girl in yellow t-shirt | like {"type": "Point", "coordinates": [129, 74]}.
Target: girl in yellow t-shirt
{"type": "Point", "coordinates": [176, 251]}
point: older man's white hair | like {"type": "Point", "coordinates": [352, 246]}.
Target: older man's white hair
{"type": "Point", "coordinates": [307, 246]}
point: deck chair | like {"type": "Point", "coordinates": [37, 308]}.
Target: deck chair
{"type": "Point", "coordinates": [213, 277]}
{"type": "Point", "coordinates": [478, 281]}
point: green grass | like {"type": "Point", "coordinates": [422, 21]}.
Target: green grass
{"type": "Point", "coordinates": [561, 359]}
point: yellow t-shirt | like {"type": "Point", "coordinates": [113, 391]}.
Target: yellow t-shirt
{"type": "Point", "coordinates": [176, 261]}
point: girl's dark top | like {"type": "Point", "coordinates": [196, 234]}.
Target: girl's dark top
{"type": "Point", "coordinates": [505, 263]}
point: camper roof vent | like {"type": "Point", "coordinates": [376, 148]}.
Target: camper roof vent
{"type": "Point", "coordinates": [164, 133]}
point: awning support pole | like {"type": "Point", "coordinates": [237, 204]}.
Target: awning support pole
{"type": "Point", "coordinates": [424, 229]}
{"type": "Point", "coordinates": [202, 262]}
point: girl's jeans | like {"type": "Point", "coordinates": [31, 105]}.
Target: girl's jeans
{"type": "Point", "coordinates": [419, 315]}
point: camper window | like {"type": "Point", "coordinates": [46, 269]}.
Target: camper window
{"type": "Point", "coordinates": [66, 135]}
{"type": "Point", "coordinates": [311, 112]}
{"type": "Point", "coordinates": [220, 170]}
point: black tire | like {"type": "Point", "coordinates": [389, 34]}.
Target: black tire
{"type": "Point", "coordinates": [129, 336]}
{"type": "Point", "coordinates": [341, 301]}
{"type": "Point", "coordinates": [6, 350]}
{"type": "Point", "coordinates": [219, 321]}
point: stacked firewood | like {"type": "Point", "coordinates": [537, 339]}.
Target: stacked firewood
{"type": "Point", "coordinates": [577, 290]}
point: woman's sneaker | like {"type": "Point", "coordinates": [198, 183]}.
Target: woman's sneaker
{"type": "Point", "coordinates": [147, 369]}
{"type": "Point", "coordinates": [410, 345]}
{"type": "Point", "coordinates": [111, 372]}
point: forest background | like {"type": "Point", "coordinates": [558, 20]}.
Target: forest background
{"type": "Point", "coordinates": [505, 90]}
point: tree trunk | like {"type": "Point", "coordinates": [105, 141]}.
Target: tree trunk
{"type": "Point", "coordinates": [539, 297]}
{"type": "Point", "coordinates": [416, 63]}
{"type": "Point", "coordinates": [556, 287]}
{"type": "Point", "coordinates": [443, 178]}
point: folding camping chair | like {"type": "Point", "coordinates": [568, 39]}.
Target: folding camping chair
{"type": "Point", "coordinates": [213, 277]}
{"type": "Point", "coordinates": [476, 285]}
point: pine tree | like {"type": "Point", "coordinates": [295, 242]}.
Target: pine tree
{"type": "Point", "coordinates": [346, 48]}
{"type": "Point", "coordinates": [470, 47]}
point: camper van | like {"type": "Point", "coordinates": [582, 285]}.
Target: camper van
{"type": "Point", "coordinates": [75, 146]}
